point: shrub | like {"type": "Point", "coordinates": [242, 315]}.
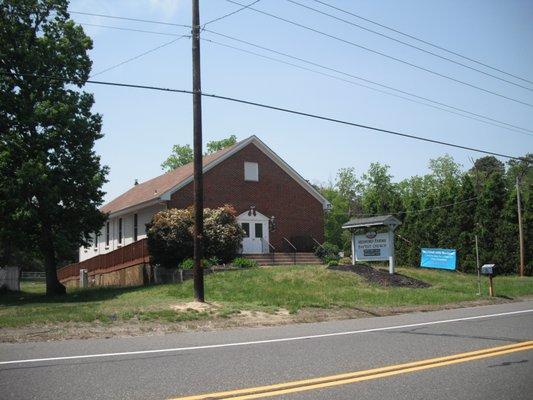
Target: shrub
{"type": "Point", "coordinates": [329, 259]}
{"type": "Point", "coordinates": [211, 261]}
{"type": "Point", "coordinates": [222, 233]}
{"type": "Point", "coordinates": [327, 250]}
{"type": "Point", "coordinates": [170, 239]}
{"type": "Point", "coordinates": [170, 236]}
{"type": "Point", "coordinates": [332, 263]}
{"type": "Point", "coordinates": [345, 261]}
{"type": "Point", "coordinates": [241, 262]}
{"type": "Point", "coordinates": [188, 263]}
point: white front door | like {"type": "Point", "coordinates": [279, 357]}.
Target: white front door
{"type": "Point", "coordinates": [255, 228]}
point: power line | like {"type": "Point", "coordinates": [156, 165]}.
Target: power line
{"type": "Point", "coordinates": [349, 42]}
{"type": "Point", "coordinates": [408, 44]}
{"type": "Point", "coordinates": [276, 108]}
{"type": "Point", "coordinates": [231, 13]}
{"type": "Point", "coordinates": [139, 55]}
{"type": "Point", "coordinates": [421, 210]}
{"type": "Point", "coordinates": [508, 126]}
{"type": "Point", "coordinates": [359, 84]}
{"type": "Point", "coordinates": [119, 28]}
{"type": "Point", "coordinates": [421, 40]}
{"type": "Point", "coordinates": [149, 21]}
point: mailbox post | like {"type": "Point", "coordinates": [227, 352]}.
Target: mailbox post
{"type": "Point", "coordinates": [489, 270]}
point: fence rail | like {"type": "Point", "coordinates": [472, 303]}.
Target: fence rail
{"type": "Point", "coordinates": [134, 253]}
{"type": "Point", "coordinates": [33, 275]}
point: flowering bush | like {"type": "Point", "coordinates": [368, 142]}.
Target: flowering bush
{"type": "Point", "coordinates": [222, 233]}
{"type": "Point", "coordinates": [170, 235]}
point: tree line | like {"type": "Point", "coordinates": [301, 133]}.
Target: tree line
{"type": "Point", "coordinates": [446, 208]}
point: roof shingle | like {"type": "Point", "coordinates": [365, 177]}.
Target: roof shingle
{"type": "Point", "coordinates": [154, 188]}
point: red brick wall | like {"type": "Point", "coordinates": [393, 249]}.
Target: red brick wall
{"type": "Point", "coordinates": [296, 211]}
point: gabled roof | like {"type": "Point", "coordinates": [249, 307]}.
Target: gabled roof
{"type": "Point", "coordinates": [372, 221]}
{"type": "Point", "coordinates": [161, 188]}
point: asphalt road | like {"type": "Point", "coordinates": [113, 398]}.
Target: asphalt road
{"type": "Point", "coordinates": [170, 366]}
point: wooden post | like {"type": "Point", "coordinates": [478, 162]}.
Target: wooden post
{"type": "Point", "coordinates": [491, 288]}
{"type": "Point", "coordinates": [520, 228]}
{"type": "Point", "coordinates": [198, 272]}
{"type": "Point", "coordinates": [353, 248]}
{"type": "Point", "coordinates": [478, 269]}
{"type": "Point", "coordinates": [391, 250]}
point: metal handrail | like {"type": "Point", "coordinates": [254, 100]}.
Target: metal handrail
{"type": "Point", "coordinates": [295, 250]}
{"type": "Point", "coordinates": [317, 242]}
{"type": "Point", "coordinates": [271, 246]}
{"type": "Point", "coordinates": [287, 240]}
{"type": "Point", "coordinates": [273, 251]}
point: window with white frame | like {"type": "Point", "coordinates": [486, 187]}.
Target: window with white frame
{"type": "Point", "coordinates": [251, 171]}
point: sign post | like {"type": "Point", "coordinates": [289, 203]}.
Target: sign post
{"type": "Point", "coordinates": [391, 251]}
{"type": "Point", "coordinates": [372, 246]}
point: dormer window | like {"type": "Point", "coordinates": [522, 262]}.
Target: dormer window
{"type": "Point", "coordinates": [251, 171]}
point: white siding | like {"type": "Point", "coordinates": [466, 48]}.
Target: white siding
{"type": "Point", "coordinates": [143, 217]}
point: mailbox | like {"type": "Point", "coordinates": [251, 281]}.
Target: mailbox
{"type": "Point", "coordinates": [488, 269]}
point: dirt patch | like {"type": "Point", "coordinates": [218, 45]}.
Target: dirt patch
{"type": "Point", "coordinates": [382, 277]}
{"type": "Point", "coordinates": [239, 319]}
{"type": "Point", "coordinates": [196, 306]}
{"type": "Point", "coordinates": [261, 318]}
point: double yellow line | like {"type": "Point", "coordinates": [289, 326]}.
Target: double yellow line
{"type": "Point", "coordinates": [352, 377]}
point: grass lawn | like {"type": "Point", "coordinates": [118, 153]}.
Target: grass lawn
{"type": "Point", "coordinates": [263, 289]}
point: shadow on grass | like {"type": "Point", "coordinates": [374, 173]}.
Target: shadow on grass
{"type": "Point", "coordinates": [72, 296]}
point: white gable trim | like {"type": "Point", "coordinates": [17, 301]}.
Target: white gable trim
{"type": "Point", "coordinates": [273, 156]}
{"type": "Point", "coordinates": [136, 207]}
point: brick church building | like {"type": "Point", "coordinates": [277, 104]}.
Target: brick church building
{"type": "Point", "coordinates": [277, 208]}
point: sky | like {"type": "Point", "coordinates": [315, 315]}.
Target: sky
{"type": "Point", "coordinates": [140, 126]}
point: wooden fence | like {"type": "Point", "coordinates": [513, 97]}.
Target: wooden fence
{"type": "Point", "coordinates": [123, 257]}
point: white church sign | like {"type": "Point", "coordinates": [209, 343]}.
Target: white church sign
{"type": "Point", "coordinates": [372, 246]}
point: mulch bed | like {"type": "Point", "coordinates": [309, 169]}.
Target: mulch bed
{"type": "Point", "coordinates": [381, 276]}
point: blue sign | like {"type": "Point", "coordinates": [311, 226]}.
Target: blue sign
{"type": "Point", "coordinates": [438, 258]}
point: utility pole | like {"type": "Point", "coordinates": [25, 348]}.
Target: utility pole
{"type": "Point", "coordinates": [198, 272]}
{"type": "Point", "coordinates": [520, 228]}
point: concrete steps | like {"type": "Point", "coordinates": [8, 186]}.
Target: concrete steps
{"type": "Point", "coordinates": [284, 258]}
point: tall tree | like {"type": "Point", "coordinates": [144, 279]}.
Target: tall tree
{"type": "Point", "coordinates": [380, 195]}
{"type": "Point", "coordinates": [216, 145]}
{"type": "Point", "coordinates": [180, 156]}
{"type": "Point", "coordinates": [350, 189]}
{"type": "Point", "coordinates": [48, 167]}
